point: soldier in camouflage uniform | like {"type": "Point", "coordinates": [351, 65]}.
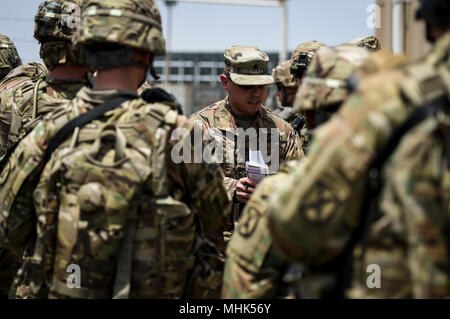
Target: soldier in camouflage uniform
{"type": "Point", "coordinates": [301, 58]}
{"type": "Point", "coordinates": [325, 85]}
{"type": "Point", "coordinates": [253, 268]}
{"type": "Point", "coordinates": [245, 79]}
{"type": "Point", "coordinates": [108, 196]}
{"type": "Point", "coordinates": [373, 195]}
{"type": "Point", "coordinates": [25, 91]}
{"type": "Point", "coordinates": [29, 91]}
{"type": "Point", "coordinates": [286, 90]}
{"type": "Point", "coordinates": [9, 58]}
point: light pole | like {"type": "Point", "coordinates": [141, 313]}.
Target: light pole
{"type": "Point", "coordinates": [170, 5]}
{"type": "Point", "coordinates": [284, 31]}
{"type": "Point", "coordinates": [262, 3]}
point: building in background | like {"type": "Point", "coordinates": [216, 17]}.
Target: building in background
{"type": "Point", "coordinates": [398, 30]}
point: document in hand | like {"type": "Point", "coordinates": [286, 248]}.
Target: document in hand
{"type": "Point", "coordinates": [257, 170]}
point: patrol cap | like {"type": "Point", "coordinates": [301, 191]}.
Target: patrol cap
{"type": "Point", "coordinates": [368, 42]}
{"type": "Point", "coordinates": [282, 74]}
{"type": "Point", "coordinates": [247, 65]}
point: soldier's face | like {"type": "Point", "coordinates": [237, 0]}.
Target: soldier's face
{"type": "Point", "coordinates": [244, 100]}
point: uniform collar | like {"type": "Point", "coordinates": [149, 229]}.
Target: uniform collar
{"type": "Point", "coordinates": [99, 96]}
{"type": "Point", "coordinates": [227, 122]}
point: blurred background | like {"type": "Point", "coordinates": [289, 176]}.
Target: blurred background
{"type": "Point", "coordinates": [198, 31]}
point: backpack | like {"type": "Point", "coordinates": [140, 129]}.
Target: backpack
{"type": "Point", "coordinates": [19, 95]}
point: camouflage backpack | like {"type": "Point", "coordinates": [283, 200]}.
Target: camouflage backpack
{"type": "Point", "coordinates": [18, 108]}
{"type": "Point", "coordinates": [129, 219]}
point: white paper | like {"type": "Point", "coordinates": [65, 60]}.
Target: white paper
{"type": "Point", "coordinates": [257, 170]}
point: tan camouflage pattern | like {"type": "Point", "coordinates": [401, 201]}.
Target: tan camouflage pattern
{"type": "Point", "coordinates": [381, 61]}
{"type": "Point", "coordinates": [55, 24]}
{"type": "Point", "coordinates": [247, 65]}
{"type": "Point", "coordinates": [218, 115]}
{"type": "Point", "coordinates": [82, 218]}
{"type": "Point", "coordinates": [308, 48]}
{"type": "Point", "coordinates": [24, 102]}
{"type": "Point", "coordinates": [324, 83]}
{"type": "Point", "coordinates": [305, 138]}
{"type": "Point", "coordinates": [26, 95]}
{"type": "Point", "coordinates": [282, 74]}
{"type": "Point", "coordinates": [9, 58]}
{"type": "Point", "coordinates": [135, 24]}
{"type": "Point", "coordinates": [254, 269]}
{"type": "Point", "coordinates": [369, 42]}
{"type": "Point", "coordinates": [416, 202]}
{"type": "Point", "coordinates": [315, 210]}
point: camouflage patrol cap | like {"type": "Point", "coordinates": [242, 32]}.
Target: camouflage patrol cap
{"type": "Point", "coordinates": [9, 58]}
{"type": "Point", "coordinates": [302, 56]}
{"type": "Point", "coordinates": [129, 23]}
{"type": "Point", "coordinates": [282, 74]}
{"type": "Point", "coordinates": [325, 82]}
{"type": "Point", "coordinates": [368, 42]}
{"type": "Point", "coordinates": [247, 65]}
{"type": "Point", "coordinates": [55, 24]}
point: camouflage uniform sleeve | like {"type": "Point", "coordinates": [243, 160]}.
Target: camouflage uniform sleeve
{"type": "Point", "coordinates": [204, 184]}
{"type": "Point", "coordinates": [417, 192]}
{"type": "Point", "coordinates": [230, 183]}
{"type": "Point", "coordinates": [294, 149]}
{"type": "Point", "coordinates": [253, 269]}
{"type": "Point", "coordinates": [18, 179]}
{"type": "Point", "coordinates": [312, 220]}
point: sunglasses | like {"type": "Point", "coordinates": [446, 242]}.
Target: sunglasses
{"type": "Point", "coordinates": [246, 87]}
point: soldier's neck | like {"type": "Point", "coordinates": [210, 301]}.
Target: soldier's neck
{"type": "Point", "coordinates": [68, 72]}
{"type": "Point", "coordinates": [118, 79]}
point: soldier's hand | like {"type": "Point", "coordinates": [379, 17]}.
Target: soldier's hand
{"type": "Point", "coordinates": [244, 189]}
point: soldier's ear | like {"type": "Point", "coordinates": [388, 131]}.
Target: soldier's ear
{"type": "Point", "coordinates": [226, 83]}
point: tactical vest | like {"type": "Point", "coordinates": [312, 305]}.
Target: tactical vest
{"type": "Point", "coordinates": [107, 206]}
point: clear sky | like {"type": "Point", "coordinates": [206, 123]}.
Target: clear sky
{"type": "Point", "coordinates": [212, 27]}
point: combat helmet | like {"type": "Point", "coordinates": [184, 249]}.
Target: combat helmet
{"type": "Point", "coordinates": [368, 42]}
{"type": "Point", "coordinates": [282, 74]}
{"type": "Point", "coordinates": [9, 58]}
{"type": "Point", "coordinates": [55, 24]}
{"type": "Point", "coordinates": [302, 57]}
{"type": "Point", "coordinates": [325, 84]}
{"type": "Point", "coordinates": [111, 29]}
